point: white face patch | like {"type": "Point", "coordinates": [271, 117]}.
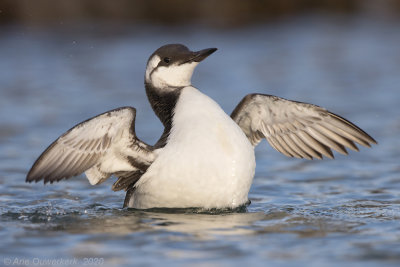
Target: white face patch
{"type": "Point", "coordinates": [173, 75]}
{"type": "Point", "coordinates": [151, 65]}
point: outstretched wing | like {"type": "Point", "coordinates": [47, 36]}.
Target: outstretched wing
{"type": "Point", "coordinates": [297, 129]}
{"type": "Point", "coordinates": [101, 146]}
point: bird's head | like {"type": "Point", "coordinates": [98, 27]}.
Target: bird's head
{"type": "Point", "coordinates": [172, 65]}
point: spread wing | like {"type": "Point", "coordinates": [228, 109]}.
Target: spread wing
{"type": "Point", "coordinates": [297, 129]}
{"type": "Point", "coordinates": [101, 146]}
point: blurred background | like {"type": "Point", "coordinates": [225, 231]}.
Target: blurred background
{"type": "Point", "coordinates": [62, 62]}
{"type": "Point", "coordinates": [224, 13]}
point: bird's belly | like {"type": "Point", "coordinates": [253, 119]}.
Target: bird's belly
{"type": "Point", "coordinates": [208, 161]}
{"type": "Point", "coordinates": [208, 168]}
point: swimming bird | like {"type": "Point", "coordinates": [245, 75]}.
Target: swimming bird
{"type": "Point", "coordinates": [204, 158]}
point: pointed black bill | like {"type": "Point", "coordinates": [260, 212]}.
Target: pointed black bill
{"type": "Point", "coordinates": [202, 54]}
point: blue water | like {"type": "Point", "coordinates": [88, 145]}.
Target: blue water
{"type": "Point", "coordinates": [342, 212]}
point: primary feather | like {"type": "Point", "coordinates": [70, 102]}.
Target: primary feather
{"type": "Point", "coordinates": [297, 129]}
{"type": "Point", "coordinates": [101, 146]}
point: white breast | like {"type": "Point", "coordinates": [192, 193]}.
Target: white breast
{"type": "Point", "coordinates": [208, 161]}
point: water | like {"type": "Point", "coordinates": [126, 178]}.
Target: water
{"type": "Point", "coordinates": [315, 213]}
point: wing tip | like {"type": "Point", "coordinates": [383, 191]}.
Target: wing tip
{"type": "Point", "coordinates": [366, 138]}
{"type": "Point", "coordinates": [331, 156]}
{"type": "Point", "coordinates": [30, 180]}
{"type": "Point", "coordinates": [368, 141]}
{"type": "Point", "coordinates": [372, 141]}
{"type": "Point", "coordinates": [34, 178]}
{"type": "Point", "coordinates": [31, 177]}
{"type": "Point", "coordinates": [326, 156]}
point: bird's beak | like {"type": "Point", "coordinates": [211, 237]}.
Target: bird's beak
{"type": "Point", "coordinates": [200, 55]}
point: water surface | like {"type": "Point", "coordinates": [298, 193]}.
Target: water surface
{"type": "Point", "coordinates": [316, 213]}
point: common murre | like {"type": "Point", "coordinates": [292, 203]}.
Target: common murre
{"type": "Point", "coordinates": [204, 157]}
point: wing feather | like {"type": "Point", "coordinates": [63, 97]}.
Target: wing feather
{"type": "Point", "coordinates": [107, 142]}
{"type": "Point", "coordinates": [277, 145]}
{"type": "Point", "coordinates": [300, 153]}
{"type": "Point", "coordinates": [310, 153]}
{"type": "Point", "coordinates": [326, 141]}
{"type": "Point", "coordinates": [315, 144]}
{"type": "Point", "coordinates": [336, 137]}
{"type": "Point", "coordinates": [286, 146]}
{"type": "Point", "coordinates": [297, 129]}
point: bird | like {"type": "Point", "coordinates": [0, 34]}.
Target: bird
{"type": "Point", "coordinates": [204, 158]}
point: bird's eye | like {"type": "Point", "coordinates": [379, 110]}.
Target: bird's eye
{"type": "Point", "coordinates": [167, 59]}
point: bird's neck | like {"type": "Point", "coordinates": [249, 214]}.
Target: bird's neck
{"type": "Point", "coordinates": [163, 102]}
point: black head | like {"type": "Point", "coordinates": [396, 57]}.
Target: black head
{"type": "Point", "coordinates": [172, 65]}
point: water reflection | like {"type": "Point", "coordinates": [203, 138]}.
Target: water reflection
{"type": "Point", "coordinates": [99, 220]}
{"type": "Point", "coordinates": [203, 226]}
